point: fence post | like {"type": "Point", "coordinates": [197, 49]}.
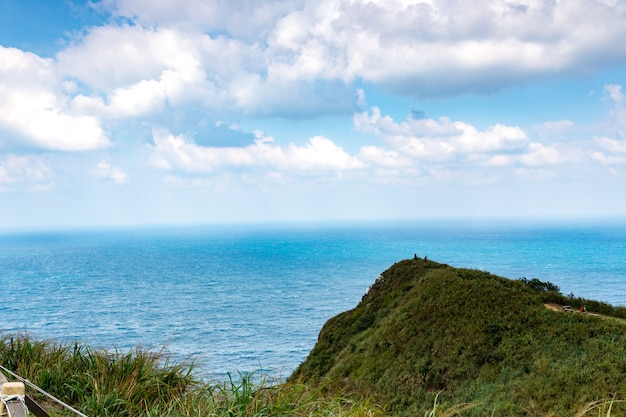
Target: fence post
{"type": "Point", "coordinates": [12, 395]}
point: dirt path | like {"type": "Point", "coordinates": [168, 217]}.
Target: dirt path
{"type": "Point", "coordinates": [553, 307]}
{"type": "Point", "coordinates": [560, 308]}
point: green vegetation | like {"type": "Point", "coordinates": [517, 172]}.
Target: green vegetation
{"type": "Point", "coordinates": [426, 340]}
{"type": "Point", "coordinates": [427, 333]}
{"type": "Point", "coordinates": [143, 384]}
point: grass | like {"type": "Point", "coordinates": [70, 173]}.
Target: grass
{"type": "Point", "coordinates": [141, 383]}
{"type": "Point", "coordinates": [427, 331]}
{"type": "Point", "coordinates": [101, 382]}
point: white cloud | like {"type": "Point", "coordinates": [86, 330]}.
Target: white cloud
{"type": "Point", "coordinates": [105, 171]}
{"type": "Point", "coordinates": [615, 93]}
{"type": "Point", "coordinates": [536, 155]}
{"type": "Point", "coordinates": [415, 149]}
{"type": "Point", "coordinates": [555, 129]}
{"type": "Point", "coordinates": [429, 140]}
{"type": "Point", "coordinates": [608, 160]}
{"type": "Point", "coordinates": [613, 144]}
{"type": "Point", "coordinates": [385, 157]}
{"type": "Point", "coordinates": [318, 156]}
{"type": "Point", "coordinates": [133, 71]}
{"type": "Point", "coordinates": [109, 57]}
{"type": "Point", "coordinates": [304, 58]}
{"type": "Point", "coordinates": [618, 112]}
{"type": "Point", "coordinates": [612, 152]}
{"type": "Point", "coordinates": [18, 172]}
{"type": "Point", "coordinates": [247, 19]}
{"type": "Point", "coordinates": [300, 58]}
{"type": "Point", "coordinates": [445, 48]}
{"type": "Point", "coordinates": [33, 107]}
{"type": "Point", "coordinates": [498, 138]}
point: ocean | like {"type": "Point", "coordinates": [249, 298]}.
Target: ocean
{"type": "Point", "coordinates": [239, 299]}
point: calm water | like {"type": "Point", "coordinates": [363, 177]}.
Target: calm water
{"type": "Point", "coordinates": [241, 299]}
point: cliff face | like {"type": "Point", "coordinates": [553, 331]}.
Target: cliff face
{"type": "Point", "coordinates": [425, 329]}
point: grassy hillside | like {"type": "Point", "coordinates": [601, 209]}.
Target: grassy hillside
{"type": "Point", "coordinates": [429, 333]}
{"type": "Point", "coordinates": [139, 383]}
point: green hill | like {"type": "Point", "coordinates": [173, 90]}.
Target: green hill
{"type": "Point", "coordinates": [427, 333]}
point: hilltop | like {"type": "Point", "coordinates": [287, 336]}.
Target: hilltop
{"type": "Point", "coordinates": [427, 333]}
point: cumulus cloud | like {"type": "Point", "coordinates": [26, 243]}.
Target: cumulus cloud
{"type": "Point", "coordinates": [306, 58]}
{"type": "Point", "coordinates": [295, 58]}
{"type": "Point", "coordinates": [441, 48]}
{"type": "Point", "coordinates": [113, 57]}
{"type": "Point", "coordinates": [298, 58]}
{"type": "Point", "coordinates": [413, 149]}
{"type": "Point", "coordinates": [247, 19]}
{"type": "Point", "coordinates": [318, 156]}
{"type": "Point", "coordinates": [34, 112]}
{"type": "Point", "coordinates": [132, 71]}
{"type": "Point", "coordinates": [136, 71]}
{"type": "Point", "coordinates": [427, 140]}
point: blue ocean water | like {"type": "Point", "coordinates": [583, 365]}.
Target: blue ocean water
{"type": "Point", "coordinates": [253, 299]}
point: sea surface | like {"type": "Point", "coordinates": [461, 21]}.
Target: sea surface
{"type": "Point", "coordinates": [239, 299]}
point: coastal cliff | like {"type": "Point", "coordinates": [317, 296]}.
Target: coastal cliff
{"type": "Point", "coordinates": [427, 333]}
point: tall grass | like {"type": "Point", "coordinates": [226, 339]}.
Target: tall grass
{"type": "Point", "coordinates": [141, 383]}
{"type": "Point", "coordinates": [600, 408]}
{"type": "Point", "coordinates": [100, 382]}
{"type": "Point", "coordinates": [439, 411]}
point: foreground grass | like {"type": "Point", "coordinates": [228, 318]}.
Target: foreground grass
{"type": "Point", "coordinates": [142, 383]}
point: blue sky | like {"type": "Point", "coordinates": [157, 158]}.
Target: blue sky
{"type": "Point", "coordinates": [142, 112]}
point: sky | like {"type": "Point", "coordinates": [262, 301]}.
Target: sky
{"type": "Point", "coordinates": [164, 112]}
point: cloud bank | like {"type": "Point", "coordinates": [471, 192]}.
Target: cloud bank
{"type": "Point", "coordinates": [189, 89]}
{"type": "Point", "coordinates": [294, 58]}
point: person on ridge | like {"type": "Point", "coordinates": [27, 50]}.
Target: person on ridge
{"type": "Point", "coordinates": [583, 309]}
